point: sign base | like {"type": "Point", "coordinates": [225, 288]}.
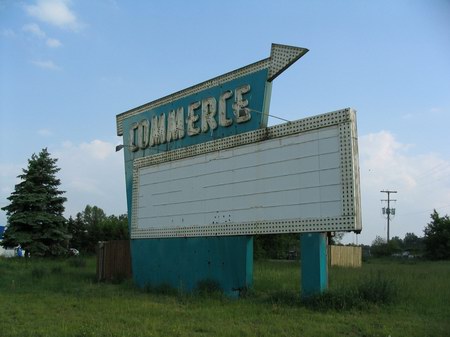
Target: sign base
{"type": "Point", "coordinates": [184, 263]}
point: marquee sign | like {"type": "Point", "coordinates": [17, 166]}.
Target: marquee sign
{"type": "Point", "coordinates": [202, 164]}
{"type": "Point", "coordinates": [301, 176]}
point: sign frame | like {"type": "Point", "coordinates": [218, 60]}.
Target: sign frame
{"type": "Point", "coordinates": [349, 220]}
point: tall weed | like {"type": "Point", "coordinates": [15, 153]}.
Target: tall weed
{"type": "Point", "coordinates": [378, 290]}
{"type": "Point", "coordinates": [373, 290]}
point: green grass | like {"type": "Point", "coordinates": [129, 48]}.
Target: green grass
{"type": "Point", "coordinates": [62, 298]}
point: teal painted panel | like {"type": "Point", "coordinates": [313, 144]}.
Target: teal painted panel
{"type": "Point", "coordinates": [314, 263]}
{"type": "Point", "coordinates": [182, 263]}
{"type": "Point", "coordinates": [255, 97]}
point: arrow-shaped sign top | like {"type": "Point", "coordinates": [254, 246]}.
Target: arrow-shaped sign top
{"type": "Point", "coordinates": [281, 58]}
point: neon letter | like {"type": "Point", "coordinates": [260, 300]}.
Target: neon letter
{"type": "Point", "coordinates": [143, 130]}
{"type": "Point", "coordinates": [132, 139]}
{"type": "Point", "coordinates": [241, 112]}
{"type": "Point", "coordinates": [192, 118]}
{"type": "Point", "coordinates": [209, 108]}
{"type": "Point", "coordinates": [223, 120]}
{"type": "Point", "coordinates": [158, 130]}
{"type": "Point", "coordinates": [175, 125]}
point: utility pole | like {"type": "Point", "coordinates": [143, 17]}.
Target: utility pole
{"type": "Point", "coordinates": [388, 211]}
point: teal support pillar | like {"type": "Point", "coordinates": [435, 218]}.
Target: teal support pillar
{"type": "Point", "coordinates": [314, 263]}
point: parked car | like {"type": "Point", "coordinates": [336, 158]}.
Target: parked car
{"type": "Point", "coordinates": [73, 252]}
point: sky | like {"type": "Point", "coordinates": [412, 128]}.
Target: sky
{"type": "Point", "coordinates": [68, 67]}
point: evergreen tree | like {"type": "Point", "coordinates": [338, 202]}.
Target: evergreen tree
{"type": "Point", "coordinates": [35, 212]}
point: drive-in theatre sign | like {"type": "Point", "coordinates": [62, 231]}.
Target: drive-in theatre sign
{"type": "Point", "coordinates": [202, 166]}
{"type": "Point", "coordinates": [295, 177]}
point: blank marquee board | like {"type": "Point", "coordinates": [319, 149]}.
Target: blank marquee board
{"type": "Point", "coordinates": [301, 176]}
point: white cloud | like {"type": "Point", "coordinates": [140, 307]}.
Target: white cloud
{"type": "Point", "coordinates": [36, 31]}
{"type": "Point", "coordinates": [382, 153]}
{"type": "Point", "coordinates": [92, 173]}
{"type": "Point", "coordinates": [421, 180]}
{"type": "Point", "coordinates": [46, 65]}
{"type": "Point", "coordinates": [97, 149]}
{"type": "Point", "coordinates": [54, 12]}
{"type": "Point", "coordinates": [53, 43]}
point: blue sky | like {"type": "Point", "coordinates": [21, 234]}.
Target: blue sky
{"type": "Point", "coordinates": [68, 67]}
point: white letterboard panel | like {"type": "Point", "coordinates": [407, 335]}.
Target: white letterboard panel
{"type": "Point", "coordinates": [299, 176]}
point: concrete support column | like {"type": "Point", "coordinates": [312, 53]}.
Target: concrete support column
{"type": "Point", "coordinates": [314, 264]}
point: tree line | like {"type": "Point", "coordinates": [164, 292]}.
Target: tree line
{"type": "Point", "coordinates": [434, 245]}
{"type": "Point", "coordinates": [93, 225]}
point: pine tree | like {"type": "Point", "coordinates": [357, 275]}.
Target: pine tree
{"type": "Point", "coordinates": [35, 212]}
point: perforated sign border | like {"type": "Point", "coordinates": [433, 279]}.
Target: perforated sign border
{"type": "Point", "coordinates": [350, 220]}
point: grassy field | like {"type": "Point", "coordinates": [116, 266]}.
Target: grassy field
{"type": "Point", "coordinates": [61, 298]}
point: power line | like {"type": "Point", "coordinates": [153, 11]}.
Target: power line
{"type": "Point", "coordinates": [427, 211]}
{"type": "Point", "coordinates": [439, 168]}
